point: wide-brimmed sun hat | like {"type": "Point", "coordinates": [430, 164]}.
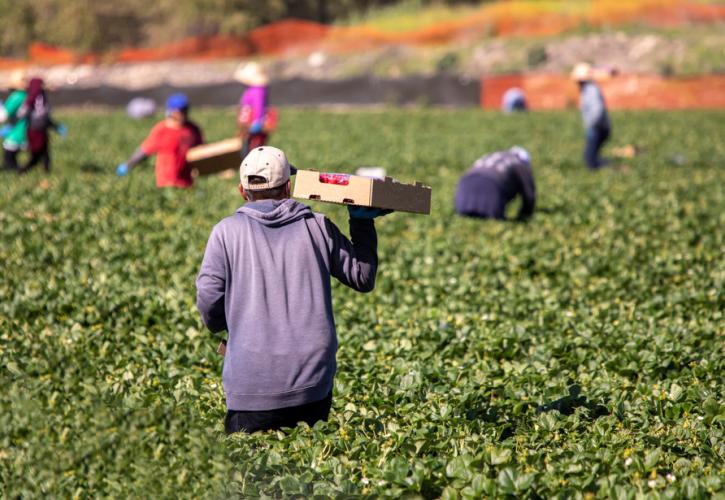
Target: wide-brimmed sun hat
{"type": "Point", "coordinates": [251, 74]}
{"type": "Point", "coordinates": [582, 72]}
{"type": "Point", "coordinates": [17, 79]}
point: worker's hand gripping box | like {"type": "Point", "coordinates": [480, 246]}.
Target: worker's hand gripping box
{"type": "Point", "coordinates": [215, 157]}
{"type": "Point", "coordinates": [347, 189]}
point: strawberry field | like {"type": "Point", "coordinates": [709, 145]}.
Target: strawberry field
{"type": "Point", "coordinates": [581, 354]}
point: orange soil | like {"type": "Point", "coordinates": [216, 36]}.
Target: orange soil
{"type": "Point", "coordinates": [197, 48]}
{"type": "Point", "coordinates": [525, 19]}
{"type": "Point", "coordinates": [288, 34]}
{"type": "Point", "coordinates": [545, 91]}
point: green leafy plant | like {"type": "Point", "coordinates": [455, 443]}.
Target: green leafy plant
{"type": "Point", "coordinates": [580, 354]}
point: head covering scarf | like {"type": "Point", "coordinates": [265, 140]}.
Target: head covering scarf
{"type": "Point", "coordinates": [35, 90]}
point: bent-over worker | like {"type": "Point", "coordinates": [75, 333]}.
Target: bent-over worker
{"type": "Point", "coordinates": [493, 181]}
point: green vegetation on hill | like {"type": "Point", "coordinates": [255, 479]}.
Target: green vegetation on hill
{"type": "Point", "coordinates": [579, 353]}
{"type": "Point", "coordinates": [87, 25]}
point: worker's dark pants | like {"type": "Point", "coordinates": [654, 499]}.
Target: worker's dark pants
{"type": "Point", "coordinates": [253, 421]}
{"type": "Point", "coordinates": [10, 159]}
{"type": "Point", "coordinates": [37, 157]}
{"type": "Point", "coordinates": [596, 137]}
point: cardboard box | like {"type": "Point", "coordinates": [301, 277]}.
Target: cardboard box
{"type": "Point", "coordinates": [355, 190]}
{"type": "Point", "coordinates": [215, 157]}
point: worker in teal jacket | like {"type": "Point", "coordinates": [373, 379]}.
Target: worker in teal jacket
{"type": "Point", "coordinates": [14, 132]}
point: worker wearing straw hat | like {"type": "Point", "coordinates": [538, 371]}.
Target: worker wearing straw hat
{"type": "Point", "coordinates": [255, 119]}
{"type": "Point", "coordinates": [594, 113]}
{"type": "Point", "coordinates": [15, 132]}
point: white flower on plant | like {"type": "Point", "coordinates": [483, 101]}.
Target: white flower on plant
{"type": "Point", "coordinates": [651, 483]}
{"type": "Point", "coordinates": [700, 417]}
{"type": "Point", "coordinates": [670, 478]}
{"type": "Point", "coordinates": [628, 462]}
{"type": "Point", "coordinates": [365, 481]}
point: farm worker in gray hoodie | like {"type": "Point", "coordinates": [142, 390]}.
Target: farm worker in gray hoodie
{"type": "Point", "coordinates": [594, 114]}
{"type": "Point", "coordinates": [265, 278]}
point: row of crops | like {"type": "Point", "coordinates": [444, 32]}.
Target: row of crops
{"type": "Point", "coordinates": [579, 354]}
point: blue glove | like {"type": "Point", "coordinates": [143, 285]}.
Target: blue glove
{"type": "Point", "coordinates": [5, 130]}
{"type": "Point", "coordinates": [256, 127]}
{"type": "Point", "coordinates": [358, 212]}
{"type": "Point", "coordinates": [62, 130]}
{"type": "Point", "coordinates": [122, 170]}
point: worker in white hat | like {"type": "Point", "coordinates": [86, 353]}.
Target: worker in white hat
{"type": "Point", "coordinates": [265, 279]}
{"type": "Point", "coordinates": [14, 134]}
{"type": "Point", "coordinates": [255, 119]}
{"type": "Point", "coordinates": [594, 114]}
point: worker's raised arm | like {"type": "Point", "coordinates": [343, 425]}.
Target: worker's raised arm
{"type": "Point", "coordinates": [354, 263]}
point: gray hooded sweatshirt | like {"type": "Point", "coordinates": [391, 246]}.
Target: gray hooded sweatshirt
{"type": "Point", "coordinates": [265, 278]}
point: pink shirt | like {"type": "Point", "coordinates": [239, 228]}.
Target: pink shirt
{"type": "Point", "coordinates": [255, 98]}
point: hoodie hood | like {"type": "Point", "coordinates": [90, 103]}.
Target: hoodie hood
{"type": "Point", "coordinates": [275, 213]}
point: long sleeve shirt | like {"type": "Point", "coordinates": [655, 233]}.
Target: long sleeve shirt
{"type": "Point", "coordinates": [265, 278]}
{"type": "Point", "coordinates": [492, 182]}
{"type": "Point", "coordinates": [593, 108]}
{"type": "Point", "coordinates": [253, 104]}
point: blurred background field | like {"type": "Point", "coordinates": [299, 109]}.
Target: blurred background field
{"type": "Point", "coordinates": [579, 353]}
{"type": "Point", "coordinates": [83, 44]}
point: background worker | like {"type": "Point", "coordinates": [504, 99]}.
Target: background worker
{"type": "Point", "coordinates": [169, 140]}
{"type": "Point", "coordinates": [265, 278]}
{"type": "Point", "coordinates": [36, 110]}
{"type": "Point", "coordinates": [254, 118]}
{"type": "Point", "coordinates": [493, 181]}
{"type": "Point", "coordinates": [594, 114]}
{"type": "Point", "coordinates": [15, 132]}
{"type": "Point", "coordinates": [514, 100]}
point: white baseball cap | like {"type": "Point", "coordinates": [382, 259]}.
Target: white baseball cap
{"type": "Point", "coordinates": [268, 163]}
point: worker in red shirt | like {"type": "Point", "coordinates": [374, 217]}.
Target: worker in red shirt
{"type": "Point", "coordinates": [169, 140]}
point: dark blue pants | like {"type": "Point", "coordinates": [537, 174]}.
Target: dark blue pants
{"type": "Point", "coordinates": [596, 137]}
{"type": "Point", "coordinates": [10, 159]}
{"type": "Point", "coordinates": [253, 421]}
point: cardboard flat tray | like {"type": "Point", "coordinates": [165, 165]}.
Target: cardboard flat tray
{"type": "Point", "coordinates": [215, 157]}
{"type": "Point", "coordinates": [363, 191]}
